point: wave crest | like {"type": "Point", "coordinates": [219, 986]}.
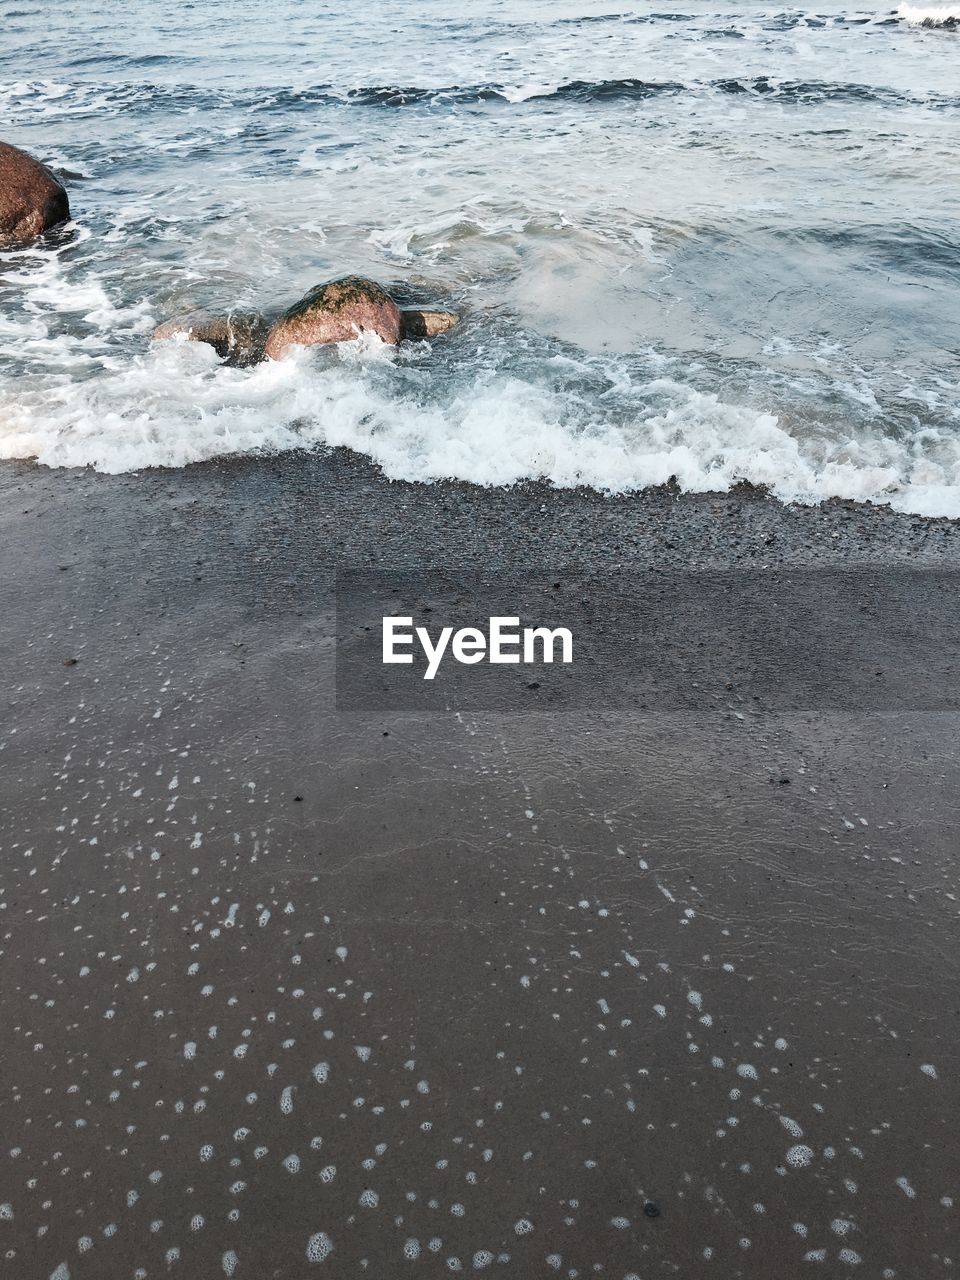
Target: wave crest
{"type": "Point", "coordinates": [948, 18]}
{"type": "Point", "coordinates": [175, 405]}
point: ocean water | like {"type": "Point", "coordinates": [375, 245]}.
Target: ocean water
{"type": "Point", "coordinates": [712, 242]}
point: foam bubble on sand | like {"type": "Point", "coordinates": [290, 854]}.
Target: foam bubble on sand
{"type": "Point", "coordinates": [799, 1156]}
{"type": "Point", "coordinates": [319, 1247]}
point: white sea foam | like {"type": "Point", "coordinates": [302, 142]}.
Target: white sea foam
{"type": "Point", "coordinates": [175, 405]}
{"type": "Point", "coordinates": [524, 92]}
{"type": "Point", "coordinates": [103, 396]}
{"type": "Point", "coordinates": [615, 223]}
{"type": "Point", "coordinates": [930, 16]}
{"type": "Point", "coordinates": [427, 240]}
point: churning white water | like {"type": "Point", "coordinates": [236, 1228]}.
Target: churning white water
{"type": "Point", "coordinates": [714, 244]}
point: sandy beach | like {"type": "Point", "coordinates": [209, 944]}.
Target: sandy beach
{"type": "Point", "coordinates": [636, 329]}
{"type": "Point", "coordinates": [287, 989]}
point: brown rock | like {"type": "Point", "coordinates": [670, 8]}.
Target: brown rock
{"type": "Point", "coordinates": [31, 199]}
{"type": "Point", "coordinates": [426, 324]}
{"type": "Point", "coordinates": [335, 312]}
{"type": "Point", "coordinates": [237, 338]}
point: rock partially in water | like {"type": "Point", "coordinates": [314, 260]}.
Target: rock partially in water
{"type": "Point", "coordinates": [417, 323]}
{"type": "Point", "coordinates": [334, 312]}
{"type": "Point", "coordinates": [237, 338]}
{"type": "Point", "coordinates": [337, 311]}
{"type": "Point", "coordinates": [32, 200]}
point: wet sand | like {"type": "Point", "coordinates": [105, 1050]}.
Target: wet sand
{"type": "Point", "coordinates": [288, 991]}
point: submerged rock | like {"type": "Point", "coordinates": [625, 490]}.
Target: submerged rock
{"type": "Point", "coordinates": [426, 324]}
{"type": "Point", "coordinates": [237, 338]}
{"type": "Point", "coordinates": [336, 312]}
{"type": "Point", "coordinates": [32, 200]}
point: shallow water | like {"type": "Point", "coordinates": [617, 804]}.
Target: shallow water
{"type": "Point", "coordinates": [719, 243]}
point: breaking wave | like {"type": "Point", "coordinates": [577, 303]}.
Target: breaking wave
{"type": "Point", "coordinates": [674, 262]}
{"type": "Point", "coordinates": [940, 16]}
{"type": "Point", "coordinates": [492, 426]}
{"type": "Point", "coordinates": [78, 101]}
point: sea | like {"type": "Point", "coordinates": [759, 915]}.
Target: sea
{"type": "Point", "coordinates": [698, 244]}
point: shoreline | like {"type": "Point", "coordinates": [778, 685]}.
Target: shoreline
{"type": "Point", "coordinates": [341, 473]}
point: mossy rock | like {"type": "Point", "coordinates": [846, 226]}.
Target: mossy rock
{"type": "Point", "coordinates": [337, 311]}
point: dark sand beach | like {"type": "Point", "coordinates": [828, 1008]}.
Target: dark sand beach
{"type": "Point", "coordinates": [291, 991]}
{"type": "Point", "coordinates": [640, 966]}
